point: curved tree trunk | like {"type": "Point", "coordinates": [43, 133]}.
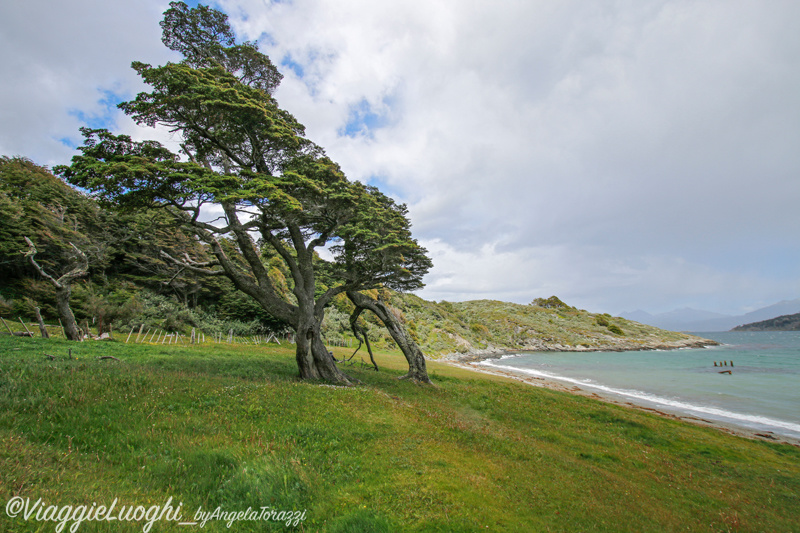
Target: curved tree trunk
{"type": "Point", "coordinates": [71, 330]}
{"type": "Point", "coordinates": [63, 286]}
{"type": "Point", "coordinates": [417, 369]}
{"type": "Point", "coordinates": [359, 332]}
{"type": "Point", "coordinates": [313, 359]}
{"type": "Point", "coordinates": [40, 320]}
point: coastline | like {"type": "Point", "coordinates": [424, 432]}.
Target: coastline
{"type": "Point", "coordinates": [471, 362]}
{"type": "Point", "coordinates": [622, 345]}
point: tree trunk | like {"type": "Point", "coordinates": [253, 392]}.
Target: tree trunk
{"type": "Point", "coordinates": [360, 334]}
{"type": "Point", "coordinates": [71, 331]}
{"type": "Point", "coordinates": [63, 288]}
{"type": "Point", "coordinates": [417, 369]}
{"type": "Point", "coordinates": [42, 328]}
{"type": "Point", "coordinates": [313, 359]}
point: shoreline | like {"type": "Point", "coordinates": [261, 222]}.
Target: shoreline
{"type": "Point", "coordinates": [535, 381]}
{"type": "Point", "coordinates": [493, 352]}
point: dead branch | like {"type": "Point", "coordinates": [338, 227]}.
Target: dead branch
{"type": "Point", "coordinates": [80, 270]}
{"type": "Point", "coordinates": [194, 266]}
{"type": "Point", "coordinates": [359, 332]}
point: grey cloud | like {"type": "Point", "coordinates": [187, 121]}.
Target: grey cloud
{"type": "Point", "coordinates": [625, 155]}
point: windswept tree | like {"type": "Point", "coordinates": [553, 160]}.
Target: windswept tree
{"type": "Point", "coordinates": [247, 158]}
{"type": "Point", "coordinates": [78, 268]}
{"type": "Point", "coordinates": [383, 255]}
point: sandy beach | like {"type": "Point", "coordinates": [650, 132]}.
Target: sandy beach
{"type": "Point", "coordinates": [732, 429]}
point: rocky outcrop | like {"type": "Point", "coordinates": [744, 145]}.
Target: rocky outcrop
{"type": "Point", "coordinates": [618, 345]}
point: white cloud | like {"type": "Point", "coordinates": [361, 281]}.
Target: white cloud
{"type": "Point", "coordinates": [61, 61]}
{"type": "Point", "coordinates": [627, 154]}
{"type": "Point", "coordinates": [665, 130]}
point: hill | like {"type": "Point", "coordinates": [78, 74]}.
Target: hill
{"type": "Point", "coordinates": [781, 323]}
{"type": "Point", "coordinates": [485, 327]}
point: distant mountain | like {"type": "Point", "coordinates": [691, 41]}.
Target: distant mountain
{"type": "Point", "coordinates": [781, 323]}
{"type": "Point", "coordinates": [688, 319]}
{"type": "Point", "coordinates": [677, 320]}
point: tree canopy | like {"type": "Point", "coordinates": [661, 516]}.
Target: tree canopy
{"type": "Point", "coordinates": [244, 156]}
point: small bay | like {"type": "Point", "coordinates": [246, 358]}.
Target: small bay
{"type": "Point", "coordinates": [755, 383]}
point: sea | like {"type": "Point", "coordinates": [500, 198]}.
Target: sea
{"type": "Point", "coordinates": [754, 385]}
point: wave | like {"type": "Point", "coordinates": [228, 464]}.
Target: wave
{"type": "Point", "coordinates": [741, 418]}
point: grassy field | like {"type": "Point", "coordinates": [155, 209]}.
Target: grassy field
{"type": "Point", "coordinates": [232, 427]}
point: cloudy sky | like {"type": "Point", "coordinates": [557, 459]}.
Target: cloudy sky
{"type": "Point", "coordinates": [640, 154]}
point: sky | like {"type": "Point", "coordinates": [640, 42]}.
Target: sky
{"type": "Point", "coordinates": [622, 155]}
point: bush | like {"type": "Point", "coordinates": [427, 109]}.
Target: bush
{"type": "Point", "coordinates": [479, 329]}
{"type": "Point", "coordinates": [550, 303]}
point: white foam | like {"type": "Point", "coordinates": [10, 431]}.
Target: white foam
{"type": "Point", "coordinates": [667, 402]}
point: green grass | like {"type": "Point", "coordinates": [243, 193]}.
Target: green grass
{"type": "Point", "coordinates": [233, 427]}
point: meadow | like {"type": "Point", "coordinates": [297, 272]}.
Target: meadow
{"type": "Point", "coordinates": [231, 426]}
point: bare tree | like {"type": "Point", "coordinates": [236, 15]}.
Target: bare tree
{"type": "Point", "coordinates": [63, 286]}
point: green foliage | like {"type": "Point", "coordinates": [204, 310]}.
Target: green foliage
{"type": "Point", "coordinates": [251, 158]}
{"type": "Point", "coordinates": [550, 303]}
{"type": "Point", "coordinates": [615, 329]}
{"type": "Point", "coordinates": [36, 204]}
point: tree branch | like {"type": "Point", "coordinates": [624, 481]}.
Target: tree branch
{"type": "Point", "coordinates": [193, 266]}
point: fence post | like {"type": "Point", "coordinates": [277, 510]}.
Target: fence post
{"type": "Point", "coordinates": [26, 328]}
{"type": "Point", "coordinates": [139, 334]}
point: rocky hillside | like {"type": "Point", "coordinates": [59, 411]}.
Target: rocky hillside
{"type": "Point", "coordinates": [486, 327]}
{"type": "Point", "coordinates": [781, 323]}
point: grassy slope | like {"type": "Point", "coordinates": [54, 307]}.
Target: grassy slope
{"type": "Point", "coordinates": [485, 324]}
{"type": "Point", "coordinates": [231, 426]}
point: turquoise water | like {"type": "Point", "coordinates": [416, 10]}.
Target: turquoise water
{"type": "Point", "coordinates": [762, 392]}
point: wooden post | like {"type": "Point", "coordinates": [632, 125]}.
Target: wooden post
{"type": "Point", "coordinates": [42, 328]}
{"type": "Point", "coordinates": [192, 341]}
{"type": "Point", "coordinates": [153, 335]}
{"type": "Point", "coordinates": [129, 335]}
{"type": "Point", "coordinates": [26, 328]}
{"type": "Point", "coordinates": [230, 336]}
{"type": "Point", "coordinates": [139, 334]}
{"type": "Point", "coordinates": [8, 328]}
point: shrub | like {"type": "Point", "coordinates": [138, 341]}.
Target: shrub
{"type": "Point", "coordinates": [550, 303]}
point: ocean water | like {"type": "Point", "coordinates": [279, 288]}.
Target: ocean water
{"type": "Point", "coordinates": [762, 392]}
